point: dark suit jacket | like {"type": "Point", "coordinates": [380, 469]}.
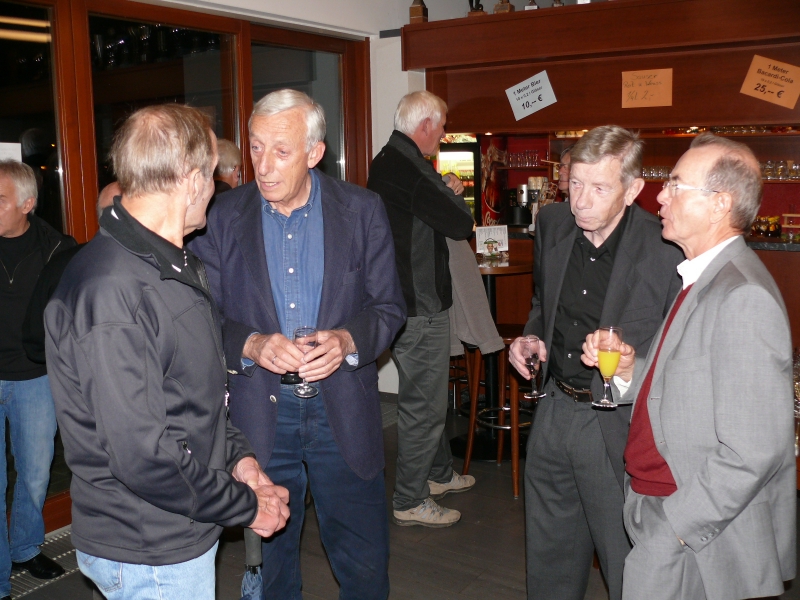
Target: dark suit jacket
{"type": "Point", "coordinates": [360, 293]}
{"type": "Point", "coordinates": [644, 281]}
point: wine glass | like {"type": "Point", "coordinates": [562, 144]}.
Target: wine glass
{"type": "Point", "coordinates": [305, 338]}
{"type": "Point", "coordinates": [608, 351]}
{"type": "Point", "coordinates": [529, 348]}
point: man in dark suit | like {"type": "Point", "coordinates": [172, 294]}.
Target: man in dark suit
{"type": "Point", "coordinates": [600, 261]}
{"type": "Point", "coordinates": [298, 248]}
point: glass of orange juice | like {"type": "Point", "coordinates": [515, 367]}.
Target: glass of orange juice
{"type": "Point", "coordinates": [608, 350]}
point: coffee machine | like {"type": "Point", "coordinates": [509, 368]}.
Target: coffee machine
{"type": "Point", "coordinates": [518, 211]}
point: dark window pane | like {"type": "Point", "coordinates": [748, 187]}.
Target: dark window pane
{"type": "Point", "coordinates": [140, 64]}
{"type": "Point", "coordinates": [27, 113]}
{"type": "Point", "coordinates": [318, 74]}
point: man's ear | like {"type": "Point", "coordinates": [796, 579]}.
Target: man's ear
{"type": "Point", "coordinates": [315, 154]}
{"type": "Point", "coordinates": [722, 205]}
{"type": "Point", "coordinates": [196, 183]}
{"type": "Point", "coordinates": [28, 205]}
{"type": "Point", "coordinates": [633, 191]}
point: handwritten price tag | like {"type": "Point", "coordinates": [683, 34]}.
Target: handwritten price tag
{"type": "Point", "coordinates": [531, 95]}
{"type": "Point", "coordinates": [647, 88]}
{"type": "Point", "coordinates": [773, 81]}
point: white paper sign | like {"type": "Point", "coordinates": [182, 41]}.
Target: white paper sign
{"type": "Point", "coordinates": [491, 240]}
{"type": "Point", "coordinates": [12, 151]}
{"type": "Point", "coordinates": [531, 95]}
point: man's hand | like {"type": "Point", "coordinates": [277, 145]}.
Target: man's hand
{"type": "Point", "coordinates": [626, 356]}
{"type": "Point", "coordinates": [273, 352]}
{"type": "Point", "coordinates": [515, 357]}
{"type": "Point", "coordinates": [273, 509]}
{"type": "Point", "coordinates": [248, 471]}
{"type": "Point", "coordinates": [332, 346]}
{"type": "Point", "coordinates": [454, 183]}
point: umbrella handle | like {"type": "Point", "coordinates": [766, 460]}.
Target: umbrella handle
{"type": "Point", "coordinates": [252, 548]}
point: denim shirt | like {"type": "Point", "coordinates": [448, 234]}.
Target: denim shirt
{"type": "Point", "coordinates": [295, 249]}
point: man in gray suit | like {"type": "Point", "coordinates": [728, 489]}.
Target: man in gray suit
{"type": "Point", "coordinates": [710, 498]}
{"type": "Point", "coordinates": [600, 260]}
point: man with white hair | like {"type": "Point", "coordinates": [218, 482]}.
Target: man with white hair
{"type": "Point", "coordinates": [27, 244]}
{"type": "Point", "coordinates": [710, 495]}
{"type": "Point", "coordinates": [424, 211]}
{"type": "Point", "coordinates": [297, 248]}
{"type": "Point", "coordinates": [229, 167]}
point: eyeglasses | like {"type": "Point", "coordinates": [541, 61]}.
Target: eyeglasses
{"type": "Point", "coordinates": [673, 186]}
{"type": "Point", "coordinates": [563, 165]}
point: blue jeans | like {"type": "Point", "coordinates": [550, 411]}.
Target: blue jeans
{"type": "Point", "coordinates": [190, 580]}
{"type": "Point", "coordinates": [28, 406]}
{"type": "Point", "coordinates": [351, 511]}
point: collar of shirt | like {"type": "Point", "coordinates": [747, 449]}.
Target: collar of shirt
{"type": "Point", "coordinates": [295, 248]}
{"type": "Point", "coordinates": [690, 270]}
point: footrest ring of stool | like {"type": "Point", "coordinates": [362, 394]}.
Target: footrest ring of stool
{"type": "Point", "coordinates": [490, 425]}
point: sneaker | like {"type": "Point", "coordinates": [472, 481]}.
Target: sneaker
{"type": "Point", "coordinates": [427, 514]}
{"type": "Point", "coordinates": [459, 483]}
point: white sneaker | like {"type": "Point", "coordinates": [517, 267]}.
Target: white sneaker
{"type": "Point", "coordinates": [459, 483]}
{"type": "Point", "coordinates": [427, 514]}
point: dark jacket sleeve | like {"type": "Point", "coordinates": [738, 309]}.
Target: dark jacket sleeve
{"type": "Point", "coordinates": [33, 325]}
{"type": "Point", "coordinates": [440, 211]}
{"type": "Point", "coordinates": [535, 324]}
{"type": "Point", "coordinates": [130, 414]}
{"type": "Point", "coordinates": [383, 310]}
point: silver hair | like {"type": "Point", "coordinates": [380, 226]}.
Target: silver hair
{"type": "Point", "coordinates": [415, 107]}
{"type": "Point", "coordinates": [614, 141]}
{"type": "Point", "coordinates": [24, 180]}
{"type": "Point", "coordinates": [230, 157]}
{"type": "Point", "coordinates": [287, 99]}
{"type": "Point", "coordinates": [736, 172]}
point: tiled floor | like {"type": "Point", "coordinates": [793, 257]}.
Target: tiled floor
{"type": "Point", "coordinates": [480, 557]}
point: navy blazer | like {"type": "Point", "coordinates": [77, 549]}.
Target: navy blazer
{"type": "Point", "coordinates": [360, 293]}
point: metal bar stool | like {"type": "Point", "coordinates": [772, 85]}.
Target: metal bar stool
{"type": "Point", "coordinates": [509, 333]}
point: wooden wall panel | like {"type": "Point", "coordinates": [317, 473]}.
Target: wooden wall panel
{"type": "Point", "coordinates": [706, 88]}
{"type": "Point", "coordinates": [625, 26]}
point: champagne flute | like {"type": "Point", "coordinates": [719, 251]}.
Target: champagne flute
{"type": "Point", "coordinates": [608, 351]}
{"type": "Point", "coordinates": [529, 348]}
{"type": "Point", "coordinates": [305, 338]}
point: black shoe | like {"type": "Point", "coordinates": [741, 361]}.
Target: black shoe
{"type": "Point", "coordinates": [40, 567]}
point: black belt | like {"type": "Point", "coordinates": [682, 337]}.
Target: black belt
{"type": "Point", "coordinates": [579, 395]}
{"type": "Point", "coordinates": [291, 379]}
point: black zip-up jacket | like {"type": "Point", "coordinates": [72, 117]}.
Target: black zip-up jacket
{"type": "Point", "coordinates": [422, 212]}
{"type": "Point", "coordinates": [134, 354]}
{"type": "Point", "coordinates": [16, 289]}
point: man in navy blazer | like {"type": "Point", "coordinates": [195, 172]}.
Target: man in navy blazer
{"type": "Point", "coordinates": [298, 248]}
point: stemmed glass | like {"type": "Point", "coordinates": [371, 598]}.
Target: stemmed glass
{"type": "Point", "coordinates": [529, 348]}
{"type": "Point", "coordinates": [608, 350]}
{"type": "Point", "coordinates": [305, 338]}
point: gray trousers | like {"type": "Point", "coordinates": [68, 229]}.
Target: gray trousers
{"type": "Point", "coordinates": [422, 355]}
{"type": "Point", "coordinates": [658, 567]}
{"type": "Point", "coordinates": [573, 502]}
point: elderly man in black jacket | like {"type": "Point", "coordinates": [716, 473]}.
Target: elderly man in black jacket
{"type": "Point", "coordinates": [424, 210]}
{"type": "Point", "coordinates": [134, 350]}
{"type": "Point", "coordinates": [27, 244]}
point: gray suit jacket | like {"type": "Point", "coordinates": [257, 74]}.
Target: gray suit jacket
{"type": "Point", "coordinates": [644, 282]}
{"type": "Point", "coordinates": [721, 409]}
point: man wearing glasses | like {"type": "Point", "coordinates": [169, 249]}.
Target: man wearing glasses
{"type": "Point", "coordinates": [600, 261]}
{"type": "Point", "coordinates": [710, 492]}
{"type": "Point", "coordinates": [563, 172]}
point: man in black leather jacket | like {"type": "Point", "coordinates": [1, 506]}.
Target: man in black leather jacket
{"type": "Point", "coordinates": [134, 350]}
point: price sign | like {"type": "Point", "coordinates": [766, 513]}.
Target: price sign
{"type": "Point", "coordinates": [772, 81]}
{"type": "Point", "coordinates": [531, 95]}
{"type": "Point", "coordinates": [647, 88]}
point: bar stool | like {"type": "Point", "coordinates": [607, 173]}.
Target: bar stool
{"type": "Point", "coordinates": [509, 333]}
{"type": "Point", "coordinates": [459, 378]}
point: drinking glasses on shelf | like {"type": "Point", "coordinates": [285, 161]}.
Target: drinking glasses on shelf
{"type": "Point", "coordinates": [608, 352]}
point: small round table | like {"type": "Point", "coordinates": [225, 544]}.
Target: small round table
{"type": "Point", "coordinates": [485, 445]}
